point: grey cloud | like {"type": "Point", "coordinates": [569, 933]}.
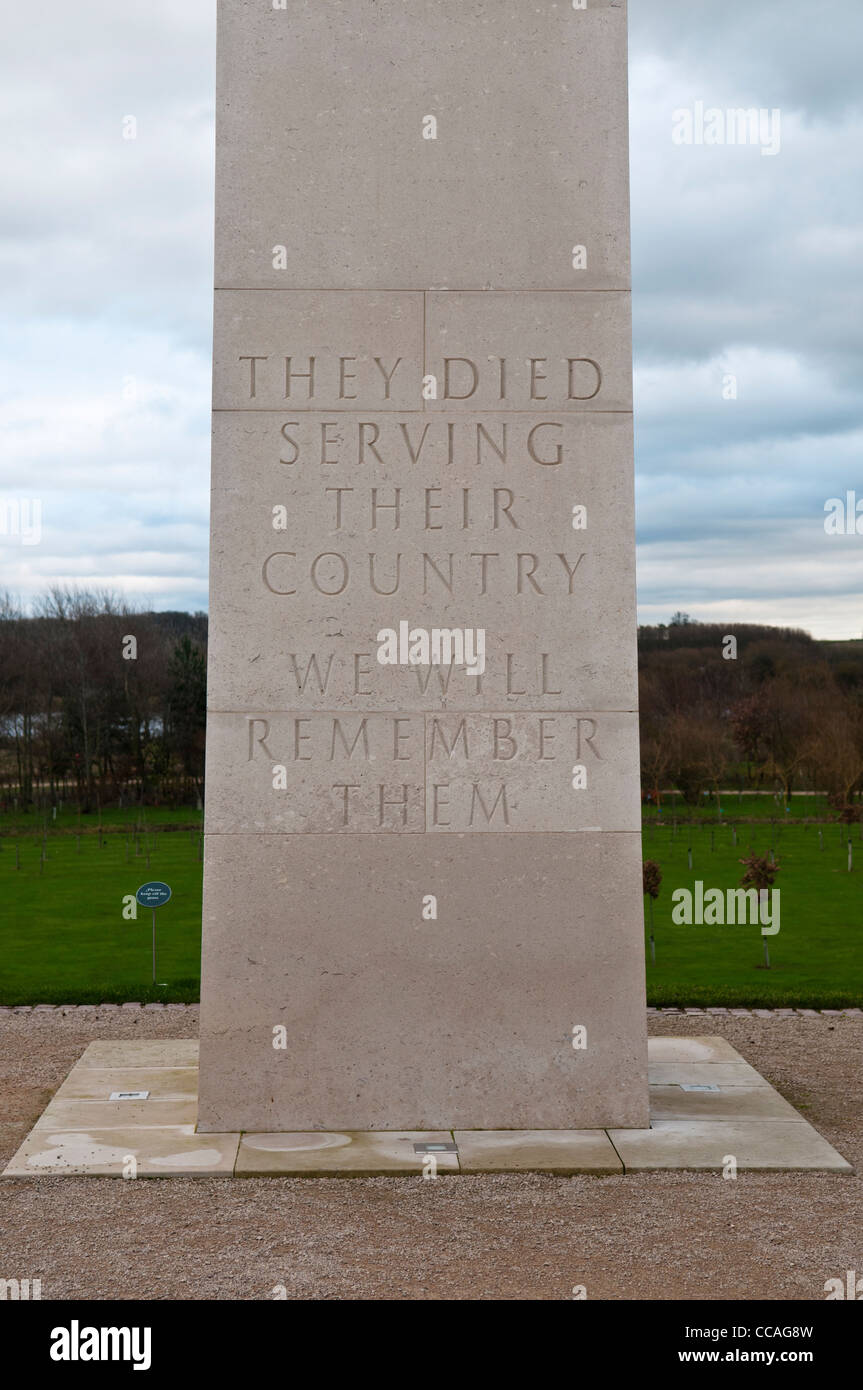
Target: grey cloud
{"type": "Point", "coordinates": [740, 263]}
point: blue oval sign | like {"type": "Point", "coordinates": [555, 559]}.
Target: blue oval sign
{"type": "Point", "coordinates": [153, 894]}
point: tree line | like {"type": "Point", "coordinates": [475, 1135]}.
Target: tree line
{"type": "Point", "coordinates": [750, 707]}
{"type": "Point", "coordinates": [104, 705]}
{"type": "Point", "coordinates": [99, 704]}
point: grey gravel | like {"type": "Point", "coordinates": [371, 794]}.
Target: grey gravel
{"type": "Point", "coordinates": [641, 1236]}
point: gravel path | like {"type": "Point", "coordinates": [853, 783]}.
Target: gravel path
{"type": "Point", "coordinates": [665, 1236]}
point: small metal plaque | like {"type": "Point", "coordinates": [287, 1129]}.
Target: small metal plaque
{"type": "Point", "coordinates": [435, 1148]}
{"type": "Point", "coordinates": [130, 1095]}
{"type": "Point", "coordinates": [701, 1088]}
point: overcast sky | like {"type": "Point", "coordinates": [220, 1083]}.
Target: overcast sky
{"type": "Point", "coordinates": [744, 264]}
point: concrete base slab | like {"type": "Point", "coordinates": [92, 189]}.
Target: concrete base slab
{"type": "Point", "coordinates": [708, 1049]}
{"type": "Point", "coordinates": [771, 1145]}
{"type": "Point", "coordinates": [130, 1151]}
{"type": "Point", "coordinates": [707, 1105]}
{"type": "Point", "coordinates": [563, 1151]}
{"type": "Point", "coordinates": [64, 1113]}
{"type": "Point", "coordinates": [142, 1052]}
{"type": "Point", "coordinates": [725, 1103]}
{"type": "Point", "coordinates": [100, 1083]}
{"type": "Point", "coordinates": [360, 1155]}
{"type": "Point", "coordinates": [737, 1073]}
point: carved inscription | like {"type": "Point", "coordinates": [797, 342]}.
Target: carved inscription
{"type": "Point", "coordinates": [413, 773]}
{"type": "Point", "coordinates": [421, 536]}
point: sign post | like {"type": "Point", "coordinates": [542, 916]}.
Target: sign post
{"type": "Point", "coordinates": [153, 895]}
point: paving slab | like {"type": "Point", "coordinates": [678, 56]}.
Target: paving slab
{"type": "Point", "coordinates": [172, 1151]}
{"type": "Point", "coordinates": [704, 1073]}
{"type": "Point", "coordinates": [728, 1103]}
{"type": "Point", "coordinates": [141, 1052]}
{"type": "Point", "coordinates": [98, 1083]}
{"type": "Point", "coordinates": [349, 1154]}
{"type": "Point", "coordinates": [561, 1151]}
{"type": "Point", "coordinates": [72, 1113]}
{"type": "Point", "coordinates": [778, 1145]}
{"type": "Point", "coordinates": [701, 1049]}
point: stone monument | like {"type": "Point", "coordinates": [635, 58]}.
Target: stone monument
{"type": "Point", "coordinates": [422, 896]}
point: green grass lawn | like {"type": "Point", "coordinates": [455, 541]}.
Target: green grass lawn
{"type": "Point", "coordinates": [63, 938]}
{"type": "Point", "coordinates": [816, 958]}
